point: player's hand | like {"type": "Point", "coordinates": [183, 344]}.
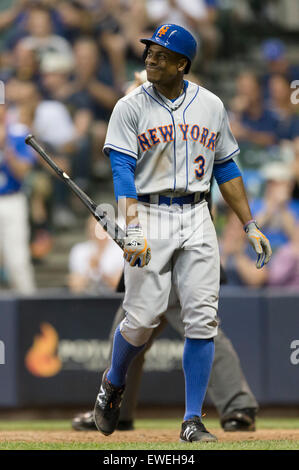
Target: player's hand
{"type": "Point", "coordinates": [259, 243]}
{"type": "Point", "coordinates": [136, 250]}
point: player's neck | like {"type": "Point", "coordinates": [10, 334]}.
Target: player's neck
{"type": "Point", "coordinates": [170, 91]}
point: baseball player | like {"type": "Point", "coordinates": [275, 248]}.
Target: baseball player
{"type": "Point", "coordinates": [227, 387]}
{"type": "Point", "coordinates": [164, 140]}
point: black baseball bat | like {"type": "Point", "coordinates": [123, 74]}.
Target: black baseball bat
{"type": "Point", "coordinates": [111, 227]}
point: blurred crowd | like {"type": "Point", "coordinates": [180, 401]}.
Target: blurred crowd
{"type": "Point", "coordinates": [65, 63]}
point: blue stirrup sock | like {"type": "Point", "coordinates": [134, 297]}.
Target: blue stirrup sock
{"type": "Point", "coordinates": [122, 355]}
{"type": "Point", "coordinates": [197, 364]}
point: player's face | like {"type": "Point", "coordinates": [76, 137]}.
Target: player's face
{"type": "Point", "coordinates": [162, 65]}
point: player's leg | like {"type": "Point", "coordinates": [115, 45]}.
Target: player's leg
{"type": "Point", "coordinates": [107, 406]}
{"type": "Point", "coordinates": [229, 389]}
{"type": "Point", "coordinates": [146, 298]}
{"type": "Point", "coordinates": [196, 275]}
{"type": "Point", "coordinates": [134, 372]}
{"type": "Point", "coordinates": [133, 381]}
{"type": "Point", "coordinates": [85, 421]}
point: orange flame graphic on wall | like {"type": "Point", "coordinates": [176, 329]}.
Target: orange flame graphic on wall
{"type": "Point", "coordinates": [41, 359]}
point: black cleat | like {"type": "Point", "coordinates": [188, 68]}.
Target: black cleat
{"type": "Point", "coordinates": [193, 430]}
{"type": "Point", "coordinates": [239, 420]}
{"type": "Point", "coordinates": [84, 422]}
{"type": "Point", "coordinates": [107, 406]}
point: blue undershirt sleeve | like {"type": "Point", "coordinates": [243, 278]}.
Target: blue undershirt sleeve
{"type": "Point", "coordinates": [226, 171]}
{"type": "Point", "coordinates": [123, 172]}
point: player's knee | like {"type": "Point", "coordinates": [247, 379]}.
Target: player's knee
{"type": "Point", "coordinates": [206, 328]}
{"type": "Point", "coordinates": [135, 334]}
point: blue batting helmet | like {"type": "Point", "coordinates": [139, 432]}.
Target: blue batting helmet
{"type": "Point", "coordinates": [176, 39]}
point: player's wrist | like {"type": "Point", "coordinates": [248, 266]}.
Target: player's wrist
{"type": "Point", "coordinates": [134, 229]}
{"type": "Point", "coordinates": [251, 221]}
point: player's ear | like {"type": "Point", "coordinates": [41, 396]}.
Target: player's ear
{"type": "Point", "coordinates": [182, 64]}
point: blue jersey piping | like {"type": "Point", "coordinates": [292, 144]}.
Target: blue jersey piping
{"type": "Point", "coordinates": [222, 160]}
{"type": "Point", "coordinates": [187, 166]}
{"type": "Point", "coordinates": [107, 145]}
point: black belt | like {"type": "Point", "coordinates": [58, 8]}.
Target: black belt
{"type": "Point", "coordinates": [189, 199]}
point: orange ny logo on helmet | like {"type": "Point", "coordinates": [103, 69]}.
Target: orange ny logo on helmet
{"type": "Point", "coordinates": [163, 30]}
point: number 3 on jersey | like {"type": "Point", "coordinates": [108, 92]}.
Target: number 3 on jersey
{"type": "Point", "coordinates": [200, 169]}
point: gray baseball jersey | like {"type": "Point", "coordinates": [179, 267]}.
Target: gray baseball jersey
{"type": "Point", "coordinates": [175, 143]}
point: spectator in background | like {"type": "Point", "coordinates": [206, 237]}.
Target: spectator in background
{"type": "Point", "coordinates": [21, 102]}
{"type": "Point", "coordinates": [253, 125]}
{"type": "Point", "coordinates": [276, 213]}
{"type": "Point", "coordinates": [25, 63]}
{"type": "Point", "coordinates": [16, 160]}
{"type": "Point", "coordinates": [22, 99]}
{"type": "Point", "coordinates": [119, 27]}
{"type": "Point", "coordinates": [239, 261]}
{"type": "Point", "coordinates": [91, 84]}
{"type": "Point", "coordinates": [277, 63]}
{"type": "Point", "coordinates": [251, 122]}
{"type": "Point", "coordinates": [198, 16]}
{"type": "Point", "coordinates": [95, 265]}
{"type": "Point", "coordinates": [237, 258]}
{"type": "Point", "coordinates": [56, 70]}
{"type": "Point", "coordinates": [284, 267]}
{"type": "Point", "coordinates": [15, 17]}
{"type": "Point", "coordinates": [34, 28]}
{"type": "Point", "coordinates": [40, 36]}
{"type": "Point", "coordinates": [75, 19]}
{"type": "Point", "coordinates": [52, 124]}
{"type": "Point", "coordinates": [283, 108]}
{"type": "Point", "coordinates": [93, 96]}
{"type": "Point", "coordinates": [22, 64]}
{"type": "Point", "coordinates": [56, 85]}
{"type": "Point", "coordinates": [54, 127]}
{"type": "Point", "coordinates": [8, 16]}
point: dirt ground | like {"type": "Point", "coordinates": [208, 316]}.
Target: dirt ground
{"type": "Point", "coordinates": [141, 436]}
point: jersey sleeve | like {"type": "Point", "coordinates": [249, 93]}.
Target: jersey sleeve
{"type": "Point", "coordinates": [226, 144]}
{"type": "Point", "coordinates": [122, 131]}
